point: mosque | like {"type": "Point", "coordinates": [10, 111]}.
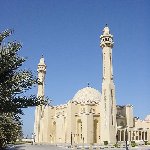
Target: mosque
{"type": "Point", "coordinates": [91, 116]}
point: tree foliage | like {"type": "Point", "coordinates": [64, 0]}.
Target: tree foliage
{"type": "Point", "coordinates": [14, 82]}
{"type": "Point", "coordinates": [10, 129]}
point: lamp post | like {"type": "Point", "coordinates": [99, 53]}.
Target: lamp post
{"type": "Point", "coordinates": [51, 138]}
{"type": "Point", "coordinates": [116, 138]}
{"type": "Point", "coordinates": [126, 138]}
{"type": "Point", "coordinates": [33, 138]}
{"type": "Point", "coordinates": [83, 143]}
{"type": "Point", "coordinates": [71, 138]}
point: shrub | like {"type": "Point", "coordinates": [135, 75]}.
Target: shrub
{"type": "Point", "coordinates": [117, 145]}
{"type": "Point", "coordinates": [133, 144]}
{"type": "Point", "coordinates": [145, 142]}
{"type": "Point", "coordinates": [105, 142]}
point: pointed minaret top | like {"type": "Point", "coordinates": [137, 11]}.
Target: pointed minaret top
{"type": "Point", "coordinates": [41, 65]}
{"type": "Point", "coordinates": [106, 38]}
{"type": "Point", "coordinates": [106, 30]}
{"type": "Point", "coordinates": [42, 62]}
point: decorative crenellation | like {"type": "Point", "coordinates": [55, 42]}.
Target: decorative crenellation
{"type": "Point", "coordinates": [61, 106]}
{"type": "Point", "coordinates": [84, 103]}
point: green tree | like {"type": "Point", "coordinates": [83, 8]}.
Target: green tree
{"type": "Point", "coordinates": [14, 82]}
{"type": "Point", "coordinates": [10, 129]}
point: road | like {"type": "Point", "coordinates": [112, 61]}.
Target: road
{"type": "Point", "coordinates": [52, 147]}
{"type": "Point", "coordinates": [35, 147]}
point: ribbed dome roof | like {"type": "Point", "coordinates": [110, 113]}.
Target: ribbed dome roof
{"type": "Point", "coordinates": [87, 95]}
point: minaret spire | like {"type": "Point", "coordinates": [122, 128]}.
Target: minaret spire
{"type": "Point", "coordinates": [39, 109]}
{"type": "Point", "coordinates": [41, 76]}
{"type": "Point", "coordinates": [108, 102]}
{"type": "Point", "coordinates": [107, 44]}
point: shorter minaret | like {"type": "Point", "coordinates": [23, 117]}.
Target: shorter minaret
{"type": "Point", "coordinates": [38, 111]}
{"type": "Point", "coordinates": [108, 101]}
{"type": "Point", "coordinates": [41, 77]}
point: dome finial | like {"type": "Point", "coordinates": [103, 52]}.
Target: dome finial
{"type": "Point", "coordinates": [88, 84]}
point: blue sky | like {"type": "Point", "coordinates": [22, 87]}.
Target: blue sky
{"type": "Point", "coordinates": [67, 34]}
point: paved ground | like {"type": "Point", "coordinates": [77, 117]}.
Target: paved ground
{"type": "Point", "coordinates": [51, 147]}
{"type": "Point", "coordinates": [34, 147]}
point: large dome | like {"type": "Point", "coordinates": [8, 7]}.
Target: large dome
{"type": "Point", "coordinates": [87, 95]}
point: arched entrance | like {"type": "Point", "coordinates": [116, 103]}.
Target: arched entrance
{"type": "Point", "coordinates": [53, 136]}
{"type": "Point", "coordinates": [79, 131]}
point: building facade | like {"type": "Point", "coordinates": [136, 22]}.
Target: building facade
{"type": "Point", "coordinates": [90, 116]}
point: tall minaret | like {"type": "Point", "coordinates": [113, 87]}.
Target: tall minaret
{"type": "Point", "coordinates": [108, 101]}
{"type": "Point", "coordinates": [41, 76]}
{"type": "Point", "coordinates": [39, 109]}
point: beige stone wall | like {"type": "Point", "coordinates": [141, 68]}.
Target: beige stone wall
{"type": "Point", "coordinates": [125, 116]}
{"type": "Point", "coordinates": [129, 115]}
{"type": "Point", "coordinates": [82, 121]}
{"type": "Point", "coordinates": [79, 120]}
{"type": "Point", "coordinates": [142, 124]}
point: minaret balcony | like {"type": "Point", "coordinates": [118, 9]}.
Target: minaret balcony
{"type": "Point", "coordinates": [106, 44]}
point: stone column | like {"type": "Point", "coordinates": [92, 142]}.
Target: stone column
{"type": "Point", "coordinates": [129, 135]}
{"type": "Point", "coordinates": [137, 135]}
{"type": "Point", "coordinates": [120, 135]}
{"type": "Point", "coordinates": [124, 135]}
